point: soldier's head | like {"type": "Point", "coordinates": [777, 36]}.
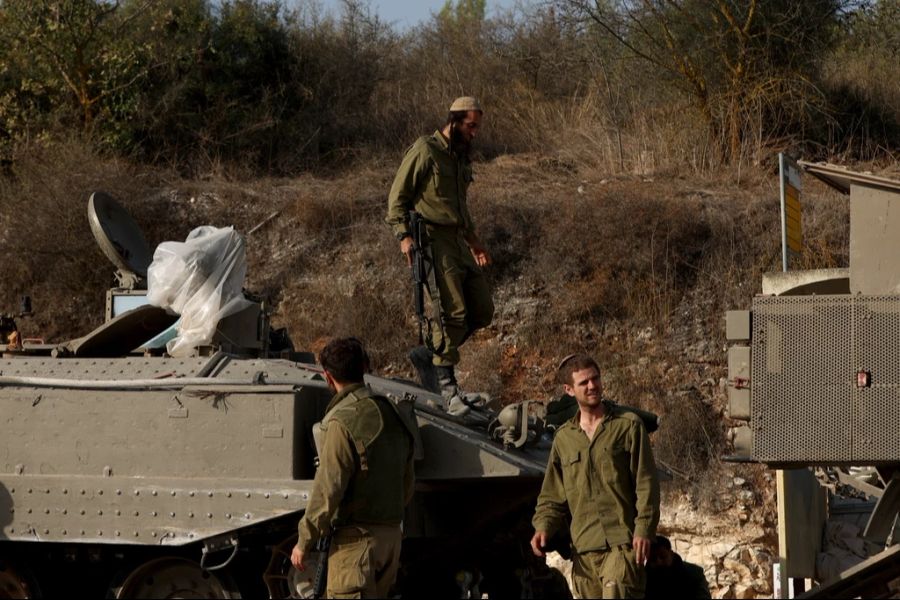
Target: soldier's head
{"type": "Point", "coordinates": [580, 377]}
{"type": "Point", "coordinates": [661, 554]}
{"type": "Point", "coordinates": [463, 123]}
{"type": "Point", "coordinates": [345, 362]}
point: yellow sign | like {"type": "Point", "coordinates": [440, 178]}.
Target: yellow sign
{"type": "Point", "coordinates": [792, 218]}
{"type": "Point", "coordinates": [791, 212]}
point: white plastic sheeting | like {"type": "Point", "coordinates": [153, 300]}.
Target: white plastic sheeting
{"type": "Point", "coordinates": [200, 279]}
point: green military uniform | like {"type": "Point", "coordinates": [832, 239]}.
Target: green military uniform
{"type": "Point", "coordinates": [364, 481]}
{"type": "Point", "coordinates": [609, 488]}
{"type": "Point", "coordinates": [433, 181]}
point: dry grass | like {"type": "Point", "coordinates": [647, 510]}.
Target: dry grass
{"type": "Point", "coordinates": [636, 270]}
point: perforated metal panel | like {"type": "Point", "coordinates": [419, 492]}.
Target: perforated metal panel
{"type": "Point", "coordinates": [805, 403]}
{"type": "Point", "coordinates": [877, 408]}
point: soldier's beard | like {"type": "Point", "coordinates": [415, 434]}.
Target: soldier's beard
{"type": "Point", "coordinates": [458, 142]}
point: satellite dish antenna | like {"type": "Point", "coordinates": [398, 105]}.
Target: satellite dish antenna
{"type": "Point", "coordinates": [120, 239]}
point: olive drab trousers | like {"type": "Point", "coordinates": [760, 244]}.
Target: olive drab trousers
{"type": "Point", "coordinates": [609, 573]}
{"type": "Point", "coordinates": [363, 561]}
{"type": "Point", "coordinates": [463, 291]}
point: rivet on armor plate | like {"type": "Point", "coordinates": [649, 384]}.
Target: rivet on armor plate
{"type": "Point", "coordinates": [190, 515]}
{"type": "Point", "coordinates": [191, 494]}
{"type": "Point", "coordinates": [209, 515]}
{"type": "Point", "coordinates": [266, 494]}
{"type": "Point", "coordinates": [173, 492]}
{"type": "Point", "coordinates": [153, 492]}
{"type": "Point", "coordinates": [153, 534]}
{"type": "Point", "coordinates": [118, 513]}
{"type": "Point", "coordinates": [210, 494]}
{"type": "Point", "coordinates": [152, 513]}
{"type": "Point", "coordinates": [247, 494]}
{"type": "Point", "coordinates": [172, 514]}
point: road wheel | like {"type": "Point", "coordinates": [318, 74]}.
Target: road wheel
{"type": "Point", "coordinates": [16, 582]}
{"type": "Point", "coordinates": [174, 577]}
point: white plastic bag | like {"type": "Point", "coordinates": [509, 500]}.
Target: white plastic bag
{"type": "Point", "coordinates": [200, 279]}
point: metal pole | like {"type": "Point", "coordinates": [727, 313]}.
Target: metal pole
{"type": "Point", "coordinates": [781, 178]}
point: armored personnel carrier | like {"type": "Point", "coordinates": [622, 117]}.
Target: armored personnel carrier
{"type": "Point", "coordinates": [127, 472]}
{"type": "Point", "coordinates": [814, 372]}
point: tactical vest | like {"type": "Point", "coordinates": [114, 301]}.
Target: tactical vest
{"type": "Point", "coordinates": [384, 447]}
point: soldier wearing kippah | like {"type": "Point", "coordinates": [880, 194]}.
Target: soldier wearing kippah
{"type": "Point", "coordinates": [433, 180]}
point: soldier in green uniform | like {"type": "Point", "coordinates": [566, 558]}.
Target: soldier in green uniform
{"type": "Point", "coordinates": [363, 483]}
{"type": "Point", "coordinates": [600, 474]}
{"type": "Point", "coordinates": [433, 180]}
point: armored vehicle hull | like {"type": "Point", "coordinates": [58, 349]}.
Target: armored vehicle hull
{"type": "Point", "coordinates": [125, 472]}
{"type": "Point", "coordinates": [136, 475]}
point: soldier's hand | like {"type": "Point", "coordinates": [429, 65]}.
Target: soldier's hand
{"type": "Point", "coordinates": [538, 542]}
{"type": "Point", "coordinates": [641, 547]}
{"type": "Point", "coordinates": [406, 247]}
{"type": "Point", "coordinates": [479, 253]}
{"type": "Point", "coordinates": [297, 558]}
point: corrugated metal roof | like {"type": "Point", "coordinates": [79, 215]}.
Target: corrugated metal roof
{"type": "Point", "coordinates": [840, 178]}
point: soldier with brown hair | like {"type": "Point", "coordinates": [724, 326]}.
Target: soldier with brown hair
{"type": "Point", "coordinates": [363, 483]}
{"type": "Point", "coordinates": [602, 476]}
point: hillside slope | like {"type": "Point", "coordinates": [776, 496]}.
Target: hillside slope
{"type": "Point", "coordinates": [636, 270]}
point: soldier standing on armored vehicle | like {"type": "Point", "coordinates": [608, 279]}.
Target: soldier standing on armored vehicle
{"type": "Point", "coordinates": [363, 483]}
{"type": "Point", "coordinates": [432, 181]}
{"type": "Point", "coordinates": [601, 472]}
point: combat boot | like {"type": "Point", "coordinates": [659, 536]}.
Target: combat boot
{"type": "Point", "coordinates": [421, 358]}
{"type": "Point", "coordinates": [453, 398]}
